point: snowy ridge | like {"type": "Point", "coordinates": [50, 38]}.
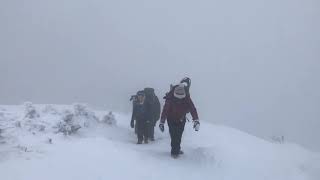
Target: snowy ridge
{"type": "Point", "coordinates": [33, 148]}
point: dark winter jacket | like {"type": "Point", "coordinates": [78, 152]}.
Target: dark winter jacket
{"type": "Point", "coordinates": [140, 112]}
{"type": "Point", "coordinates": [154, 107]}
{"type": "Point", "coordinates": [176, 109]}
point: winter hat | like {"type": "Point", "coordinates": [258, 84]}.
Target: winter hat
{"type": "Point", "coordinates": [179, 91]}
{"type": "Point", "coordinates": [140, 93]}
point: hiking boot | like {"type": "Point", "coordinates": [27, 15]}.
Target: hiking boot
{"type": "Point", "coordinates": [181, 152]}
{"type": "Point", "coordinates": [139, 142]}
{"type": "Point", "coordinates": [146, 141]}
{"type": "Point", "coordinates": [174, 156]}
{"type": "Point", "coordinates": [152, 139]}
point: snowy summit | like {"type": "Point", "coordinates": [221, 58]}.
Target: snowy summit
{"type": "Point", "coordinates": [51, 142]}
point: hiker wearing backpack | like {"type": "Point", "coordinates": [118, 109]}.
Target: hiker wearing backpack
{"type": "Point", "coordinates": [154, 106]}
{"type": "Point", "coordinates": [140, 114]}
{"type": "Point", "coordinates": [134, 99]}
{"type": "Point", "coordinates": [177, 104]}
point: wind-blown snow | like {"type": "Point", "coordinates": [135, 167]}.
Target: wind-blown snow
{"type": "Point", "coordinates": [32, 148]}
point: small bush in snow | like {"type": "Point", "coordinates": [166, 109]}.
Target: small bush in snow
{"type": "Point", "coordinates": [84, 111]}
{"type": "Point", "coordinates": [81, 110]}
{"type": "Point", "coordinates": [31, 114]}
{"type": "Point", "coordinates": [109, 119]}
{"type": "Point", "coordinates": [2, 126]}
{"type": "Point", "coordinates": [68, 117]}
{"type": "Point", "coordinates": [84, 114]}
{"type": "Point", "coordinates": [68, 125]}
{"type": "Point", "coordinates": [49, 109]}
{"type": "Point", "coordinates": [277, 139]}
{"type": "Point", "coordinates": [33, 126]}
{"type": "Point", "coordinates": [30, 111]}
{"type": "Point", "coordinates": [17, 124]}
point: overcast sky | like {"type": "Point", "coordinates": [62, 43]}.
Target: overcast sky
{"type": "Point", "coordinates": [255, 64]}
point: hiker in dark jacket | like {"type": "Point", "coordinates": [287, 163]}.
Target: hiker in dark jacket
{"type": "Point", "coordinates": [141, 114]}
{"type": "Point", "coordinates": [178, 104]}
{"type": "Point", "coordinates": [153, 104]}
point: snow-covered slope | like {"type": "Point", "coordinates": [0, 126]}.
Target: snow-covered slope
{"type": "Point", "coordinates": [33, 148]}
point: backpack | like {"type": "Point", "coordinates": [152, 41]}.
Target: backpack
{"type": "Point", "coordinates": [154, 103]}
{"type": "Point", "coordinates": [149, 92]}
{"type": "Point", "coordinates": [185, 80]}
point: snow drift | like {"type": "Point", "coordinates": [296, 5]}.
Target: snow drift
{"type": "Point", "coordinates": [62, 142]}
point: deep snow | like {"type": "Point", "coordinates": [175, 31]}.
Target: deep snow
{"type": "Point", "coordinates": [31, 149]}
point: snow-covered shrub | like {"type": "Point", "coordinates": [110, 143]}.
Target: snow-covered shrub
{"type": "Point", "coordinates": [80, 109]}
{"type": "Point", "coordinates": [277, 139]}
{"type": "Point", "coordinates": [49, 109]}
{"type": "Point", "coordinates": [32, 121]}
{"type": "Point", "coordinates": [2, 126]}
{"type": "Point", "coordinates": [68, 125]}
{"type": "Point", "coordinates": [84, 115]}
{"type": "Point", "coordinates": [17, 124]}
{"type": "Point", "coordinates": [109, 119]}
{"type": "Point", "coordinates": [84, 111]}
{"type": "Point", "coordinates": [30, 111]}
{"type": "Point", "coordinates": [2, 136]}
{"type": "Point", "coordinates": [33, 126]}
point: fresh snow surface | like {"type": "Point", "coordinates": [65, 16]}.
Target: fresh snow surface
{"type": "Point", "coordinates": [31, 148]}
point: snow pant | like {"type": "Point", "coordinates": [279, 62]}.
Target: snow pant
{"type": "Point", "coordinates": [176, 130]}
{"type": "Point", "coordinates": [142, 130]}
{"type": "Point", "coordinates": [151, 129]}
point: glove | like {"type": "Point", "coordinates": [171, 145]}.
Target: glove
{"type": "Point", "coordinates": [132, 124]}
{"type": "Point", "coordinates": [196, 125]}
{"type": "Point", "coordinates": [161, 127]}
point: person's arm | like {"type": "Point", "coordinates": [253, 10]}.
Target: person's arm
{"type": "Point", "coordinates": [193, 110]}
{"type": "Point", "coordinates": [165, 111]}
{"type": "Point", "coordinates": [133, 117]}
{"type": "Point", "coordinates": [157, 109]}
{"type": "Point", "coordinates": [133, 113]}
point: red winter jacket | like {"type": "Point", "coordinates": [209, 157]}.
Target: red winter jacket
{"type": "Point", "coordinates": [176, 109]}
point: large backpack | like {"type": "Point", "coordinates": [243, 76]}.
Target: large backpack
{"type": "Point", "coordinates": [185, 80]}
{"type": "Point", "coordinates": [149, 92]}
{"type": "Point", "coordinates": [154, 103]}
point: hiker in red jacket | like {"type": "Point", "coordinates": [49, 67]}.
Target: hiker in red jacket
{"type": "Point", "coordinates": [178, 104]}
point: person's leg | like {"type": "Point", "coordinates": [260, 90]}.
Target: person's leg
{"type": "Point", "coordinates": [180, 129]}
{"type": "Point", "coordinates": [140, 131]}
{"type": "Point", "coordinates": [146, 131]}
{"type": "Point", "coordinates": [171, 132]}
{"type": "Point", "coordinates": [174, 134]}
{"type": "Point", "coordinates": [151, 131]}
{"type": "Point", "coordinates": [136, 130]}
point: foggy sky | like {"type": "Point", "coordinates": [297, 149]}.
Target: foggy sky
{"type": "Point", "coordinates": [254, 64]}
